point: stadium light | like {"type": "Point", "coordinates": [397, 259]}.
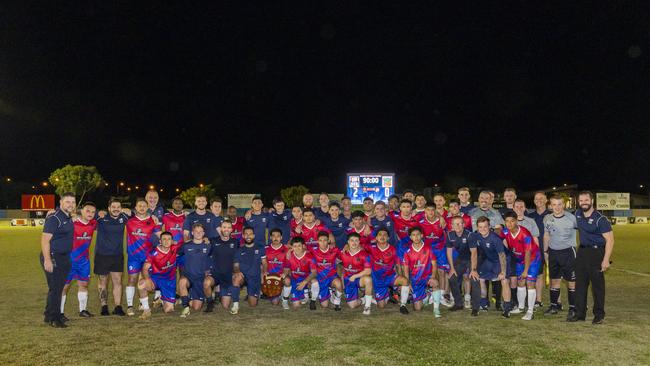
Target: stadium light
{"type": "Point", "coordinates": [178, 189]}
{"type": "Point", "coordinates": [105, 184]}
{"type": "Point", "coordinates": [8, 180]}
{"type": "Point", "coordinates": [151, 186]}
{"type": "Point", "coordinates": [33, 187]}
{"type": "Point", "coordinates": [161, 189]}
{"type": "Point", "coordinates": [640, 185]}
{"type": "Point", "coordinates": [201, 185]}
{"type": "Point", "coordinates": [128, 189]}
{"type": "Point", "coordinates": [554, 188]}
{"type": "Point", "coordinates": [121, 184]}
{"type": "Point", "coordinates": [44, 184]}
{"type": "Point", "coordinates": [564, 184]}
{"type": "Point", "coordinates": [137, 187]}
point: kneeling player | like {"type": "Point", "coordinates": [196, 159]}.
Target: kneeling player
{"type": "Point", "coordinates": [248, 264]}
{"type": "Point", "coordinates": [528, 262]}
{"type": "Point", "coordinates": [300, 269]}
{"type": "Point", "coordinates": [276, 256]}
{"type": "Point", "coordinates": [383, 258]}
{"type": "Point", "coordinates": [159, 273]}
{"type": "Point", "coordinates": [355, 267]}
{"type": "Point", "coordinates": [193, 286]}
{"type": "Point", "coordinates": [326, 257]}
{"type": "Point", "coordinates": [421, 269]}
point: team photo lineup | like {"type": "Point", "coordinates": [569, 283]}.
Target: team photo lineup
{"type": "Point", "coordinates": [406, 254]}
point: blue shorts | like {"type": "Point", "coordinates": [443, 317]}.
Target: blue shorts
{"type": "Point", "coordinates": [224, 280]}
{"type": "Point", "coordinates": [134, 263]}
{"type": "Point", "coordinates": [180, 261]}
{"type": "Point", "coordinates": [324, 286]}
{"type": "Point", "coordinates": [533, 270]}
{"type": "Point", "coordinates": [419, 290]}
{"type": "Point", "coordinates": [441, 258]}
{"type": "Point", "coordinates": [351, 289]}
{"type": "Point", "coordinates": [79, 270]}
{"type": "Point", "coordinates": [489, 270]}
{"type": "Point", "coordinates": [253, 283]}
{"type": "Point", "coordinates": [381, 284]}
{"type": "Point", "coordinates": [297, 295]}
{"type": "Point", "coordinates": [196, 287]}
{"type": "Point", "coordinates": [167, 288]}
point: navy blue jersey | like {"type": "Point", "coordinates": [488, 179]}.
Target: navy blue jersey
{"type": "Point", "coordinates": [159, 211]}
{"type": "Point", "coordinates": [223, 252]}
{"type": "Point", "coordinates": [489, 247]}
{"type": "Point", "coordinates": [320, 214]}
{"type": "Point", "coordinates": [61, 227]}
{"type": "Point", "coordinates": [197, 258]}
{"type": "Point", "coordinates": [282, 221]}
{"type": "Point", "coordinates": [467, 209]}
{"type": "Point", "coordinates": [460, 243]}
{"type": "Point", "coordinates": [592, 228]}
{"type": "Point", "coordinates": [250, 260]}
{"type": "Point", "coordinates": [338, 228]}
{"type": "Point", "coordinates": [386, 223]}
{"type": "Point", "coordinates": [207, 220]}
{"type": "Point", "coordinates": [110, 234]}
{"type": "Point", "coordinates": [539, 220]}
{"type": "Point", "coordinates": [259, 222]}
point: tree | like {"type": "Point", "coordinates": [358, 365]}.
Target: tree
{"type": "Point", "coordinates": [188, 196]}
{"type": "Point", "coordinates": [293, 195]}
{"type": "Point", "coordinates": [78, 179]}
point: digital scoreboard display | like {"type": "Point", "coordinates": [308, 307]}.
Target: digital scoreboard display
{"type": "Point", "coordinates": [378, 186]}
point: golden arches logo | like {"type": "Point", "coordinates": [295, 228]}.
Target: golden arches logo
{"type": "Point", "coordinates": [36, 200]}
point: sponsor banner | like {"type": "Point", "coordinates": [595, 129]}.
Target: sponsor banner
{"type": "Point", "coordinates": [37, 202]}
{"type": "Point", "coordinates": [241, 200]}
{"type": "Point", "coordinates": [640, 220]}
{"type": "Point", "coordinates": [612, 201]}
{"type": "Point", "coordinates": [619, 220]}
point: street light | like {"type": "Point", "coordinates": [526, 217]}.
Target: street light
{"type": "Point", "coordinates": [121, 184]}
{"type": "Point", "coordinates": [44, 184]}
{"type": "Point", "coordinates": [137, 187]}
{"type": "Point", "coordinates": [151, 186]}
{"type": "Point", "coordinates": [640, 185]}
{"type": "Point", "coordinates": [128, 189]}
{"type": "Point", "coordinates": [178, 189]}
{"type": "Point", "coordinates": [554, 188]}
{"type": "Point", "coordinates": [201, 185]}
{"type": "Point", "coordinates": [8, 180]}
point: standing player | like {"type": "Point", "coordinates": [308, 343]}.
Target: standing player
{"type": "Point", "coordinates": [308, 229]}
{"type": "Point", "coordinates": [200, 215]}
{"type": "Point", "coordinates": [323, 211]}
{"type": "Point", "coordinates": [248, 265]}
{"type": "Point", "coordinates": [432, 226]}
{"type": "Point", "coordinates": [224, 248]}
{"type": "Point", "coordinates": [420, 204]}
{"type": "Point", "coordinates": [408, 194]}
{"type": "Point", "coordinates": [509, 196]}
{"type": "Point", "coordinates": [300, 270]}
{"type": "Point", "coordinates": [346, 207]}
{"type": "Point", "coordinates": [356, 273]}
{"type": "Point", "coordinates": [360, 227]}
{"type": "Point", "coordinates": [485, 209]}
{"type": "Point", "coordinates": [381, 220]}
{"type": "Point", "coordinates": [383, 261]}
{"type": "Point", "coordinates": [237, 223]}
{"type": "Point", "coordinates": [466, 206]}
{"type": "Point", "coordinates": [308, 201]}
{"type": "Point", "coordinates": [404, 222]}
{"type": "Point", "coordinates": [276, 256]}
{"type": "Point", "coordinates": [258, 221]}
{"type": "Point", "coordinates": [337, 224]}
{"type": "Point", "coordinates": [280, 218]}
{"type": "Point", "coordinates": [84, 228]}
{"type": "Point", "coordinates": [454, 210]}
{"type": "Point", "coordinates": [141, 230]}
{"type": "Point", "coordinates": [154, 208]}
{"type": "Point", "coordinates": [420, 269]}
{"type": "Point", "coordinates": [519, 208]}
{"type": "Point", "coordinates": [368, 208]}
{"type": "Point", "coordinates": [159, 272]}
{"type": "Point", "coordinates": [439, 201]}
{"type": "Point", "coordinates": [173, 221]}
{"type": "Point", "coordinates": [393, 205]}
{"type": "Point", "coordinates": [296, 219]}
{"type": "Point", "coordinates": [538, 215]}
{"type": "Point", "coordinates": [525, 253]}
{"type": "Point", "coordinates": [462, 258]}
{"type": "Point", "coordinates": [326, 257]}
{"type": "Point", "coordinates": [193, 286]}
{"type": "Point", "coordinates": [216, 207]}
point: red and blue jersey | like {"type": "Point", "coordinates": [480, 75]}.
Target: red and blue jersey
{"type": "Point", "coordinates": [275, 259]}
{"type": "Point", "coordinates": [163, 265]}
{"type": "Point", "coordinates": [419, 215]}
{"type": "Point", "coordinates": [419, 263]}
{"type": "Point", "coordinates": [140, 235]}
{"type": "Point", "coordinates": [521, 242]}
{"type": "Point", "coordinates": [83, 235]}
{"type": "Point", "coordinates": [467, 221]}
{"type": "Point", "coordinates": [433, 233]}
{"type": "Point", "coordinates": [354, 263]}
{"type": "Point", "coordinates": [174, 224]}
{"type": "Point", "coordinates": [365, 240]}
{"type": "Point", "coordinates": [402, 225]}
{"type": "Point", "coordinates": [300, 267]}
{"type": "Point", "coordinates": [310, 234]}
{"type": "Point", "coordinates": [383, 261]}
{"type": "Point", "coordinates": [325, 262]}
{"type": "Point", "coordinates": [238, 228]}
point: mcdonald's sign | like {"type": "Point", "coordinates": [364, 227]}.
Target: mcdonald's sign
{"type": "Point", "coordinates": [37, 202]}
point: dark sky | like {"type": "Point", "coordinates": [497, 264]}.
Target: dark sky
{"type": "Point", "coordinates": [277, 94]}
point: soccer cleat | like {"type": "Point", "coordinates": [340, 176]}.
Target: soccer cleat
{"type": "Point", "coordinates": [146, 314]}
{"type": "Point", "coordinates": [336, 307]}
{"type": "Point", "coordinates": [597, 320]}
{"type": "Point", "coordinates": [484, 308]}
{"type": "Point", "coordinates": [538, 305]}
{"type": "Point", "coordinates": [157, 303]}
{"type": "Point", "coordinates": [312, 305]}
{"type": "Point", "coordinates": [552, 311]}
{"type": "Point", "coordinates": [436, 313]}
{"type": "Point", "coordinates": [403, 310]}
{"type": "Point", "coordinates": [474, 312]}
{"type": "Point", "coordinates": [104, 310]}
{"type": "Point", "coordinates": [446, 302]}
{"type": "Point", "coordinates": [505, 314]}
{"type": "Point", "coordinates": [366, 310]}
{"type": "Point", "coordinates": [468, 304]}
{"type": "Point", "coordinates": [456, 308]}
{"type": "Point", "coordinates": [185, 312]}
{"type": "Point", "coordinates": [209, 307]}
{"type": "Point", "coordinates": [559, 306]}
{"type": "Point", "coordinates": [130, 311]}
{"type": "Point", "coordinates": [574, 319]}
{"type": "Point", "coordinates": [57, 323]}
{"type": "Point", "coordinates": [118, 311]}
{"type": "Point", "coordinates": [527, 316]}
{"type": "Point", "coordinates": [571, 314]}
{"type": "Point", "coordinates": [285, 304]}
{"type": "Point", "coordinates": [498, 306]}
{"type": "Point", "coordinates": [64, 318]}
{"type": "Point", "coordinates": [234, 310]}
{"type": "Point", "coordinates": [85, 314]}
{"type": "Point", "coordinates": [517, 311]}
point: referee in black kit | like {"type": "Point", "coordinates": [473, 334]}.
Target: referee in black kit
{"type": "Point", "coordinates": [56, 244]}
{"type": "Point", "coordinates": [596, 245]}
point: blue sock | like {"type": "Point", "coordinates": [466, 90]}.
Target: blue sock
{"type": "Point", "coordinates": [235, 293]}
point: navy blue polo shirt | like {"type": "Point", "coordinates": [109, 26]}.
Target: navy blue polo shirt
{"type": "Point", "coordinates": [592, 228]}
{"type": "Point", "coordinates": [320, 214]}
{"type": "Point", "coordinates": [467, 209]}
{"type": "Point", "coordinates": [159, 211]}
{"type": "Point", "coordinates": [207, 220]}
{"type": "Point", "coordinates": [197, 258]}
{"type": "Point", "coordinates": [250, 260]}
{"type": "Point", "coordinates": [61, 227]}
{"type": "Point", "coordinates": [223, 252]}
{"type": "Point", "coordinates": [282, 221]}
{"type": "Point", "coordinates": [489, 247]}
{"type": "Point", "coordinates": [539, 220]}
{"type": "Point", "coordinates": [338, 228]}
{"type": "Point", "coordinates": [110, 234]}
{"type": "Point", "coordinates": [259, 223]}
{"type": "Point", "coordinates": [460, 244]}
{"type": "Point", "coordinates": [388, 224]}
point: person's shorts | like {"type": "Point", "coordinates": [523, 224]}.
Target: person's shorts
{"type": "Point", "coordinates": [324, 286]}
{"type": "Point", "coordinates": [196, 287]}
{"type": "Point", "coordinates": [297, 295]}
{"type": "Point", "coordinates": [105, 264]}
{"type": "Point", "coordinates": [419, 290]}
{"type": "Point", "coordinates": [351, 289]}
{"type": "Point", "coordinates": [253, 284]}
{"type": "Point", "coordinates": [167, 288]}
{"type": "Point", "coordinates": [533, 270]}
{"type": "Point", "coordinates": [135, 263]}
{"type": "Point", "coordinates": [224, 281]}
{"type": "Point", "coordinates": [511, 266]}
{"type": "Point", "coordinates": [79, 271]}
{"type": "Point", "coordinates": [441, 258]}
{"type": "Point", "coordinates": [382, 285]}
{"type": "Point", "coordinates": [489, 271]}
{"type": "Point", "coordinates": [562, 264]}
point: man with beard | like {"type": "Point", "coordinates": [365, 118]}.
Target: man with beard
{"type": "Point", "coordinates": [248, 265]}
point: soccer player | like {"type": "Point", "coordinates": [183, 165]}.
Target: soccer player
{"type": "Point", "coordinates": [323, 211]}
{"type": "Point", "coordinates": [383, 261]}
{"type": "Point", "coordinates": [173, 221]}
{"type": "Point", "coordinates": [360, 227]}
{"type": "Point", "coordinates": [420, 204]}
{"type": "Point", "coordinates": [368, 208]}
{"type": "Point", "coordinates": [492, 263]}
{"type": "Point", "coordinates": [538, 215]}
{"type": "Point", "coordinates": [404, 222]}
{"type": "Point", "coordinates": [248, 265]}
{"type": "Point", "coordinates": [346, 207]}
{"type": "Point", "coordinates": [485, 209]}
{"type": "Point", "coordinates": [461, 258]}
{"type": "Point", "coordinates": [154, 208]}
{"type": "Point", "coordinates": [276, 257]}
{"type": "Point", "coordinates": [560, 248]}
{"type": "Point", "coordinates": [200, 215]}
{"type": "Point", "coordinates": [159, 272]}
{"type": "Point", "coordinates": [84, 228]}
{"type": "Point", "coordinates": [420, 269]}
{"type": "Point", "coordinates": [509, 196]}
{"type": "Point", "coordinates": [337, 224]}
{"type": "Point", "coordinates": [432, 226]}
{"type": "Point", "coordinates": [466, 206]}
{"type": "Point", "coordinates": [216, 207]}
{"type": "Point", "coordinates": [408, 195]}
{"type": "Point", "coordinates": [237, 223]}
{"type": "Point", "coordinates": [326, 257]}
{"type": "Point", "coordinates": [439, 201]}
{"type": "Point", "coordinates": [308, 200]}
{"type": "Point", "coordinates": [382, 220]}
{"type": "Point", "coordinates": [525, 253]}
{"type": "Point", "coordinates": [300, 270]}
{"type": "Point", "coordinates": [296, 219]}
{"type": "Point", "coordinates": [280, 218]}
{"type": "Point", "coordinates": [308, 229]}
{"type": "Point", "coordinates": [224, 248]}
{"type": "Point", "coordinates": [356, 273]}
{"type": "Point", "coordinates": [141, 230]}
{"type": "Point", "coordinates": [393, 205]}
{"type": "Point", "coordinates": [454, 210]}
{"type": "Point", "coordinates": [519, 208]}
{"type": "Point", "coordinates": [109, 255]}
{"type": "Point", "coordinates": [193, 285]}
{"type": "Point", "coordinates": [258, 221]}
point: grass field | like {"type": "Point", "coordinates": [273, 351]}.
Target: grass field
{"type": "Point", "coordinates": [270, 335]}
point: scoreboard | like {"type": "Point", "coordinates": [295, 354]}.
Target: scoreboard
{"type": "Point", "coordinates": [378, 186]}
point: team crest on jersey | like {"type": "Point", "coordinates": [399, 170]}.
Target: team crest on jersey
{"type": "Point", "coordinates": [232, 245]}
{"type": "Point", "coordinates": [487, 244]}
{"type": "Point", "coordinates": [464, 240]}
{"type": "Point", "coordinates": [205, 250]}
{"type": "Point", "coordinates": [591, 221]}
{"type": "Point", "coordinates": [257, 251]}
{"type": "Point", "coordinates": [207, 220]}
{"type": "Point", "coordinates": [121, 220]}
{"type": "Point", "coordinates": [263, 219]}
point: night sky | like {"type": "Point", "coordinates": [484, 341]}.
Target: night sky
{"type": "Point", "coordinates": [271, 95]}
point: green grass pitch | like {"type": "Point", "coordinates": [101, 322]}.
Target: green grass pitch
{"type": "Point", "coordinates": [271, 336]}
